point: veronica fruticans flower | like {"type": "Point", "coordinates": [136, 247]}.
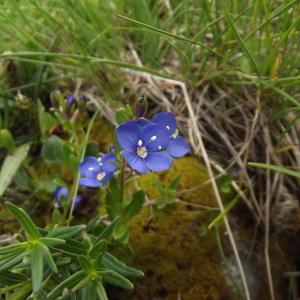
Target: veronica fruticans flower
{"type": "Point", "coordinates": [144, 146]}
{"type": "Point", "coordinates": [62, 192]}
{"type": "Point", "coordinates": [178, 145]}
{"type": "Point", "coordinates": [97, 171]}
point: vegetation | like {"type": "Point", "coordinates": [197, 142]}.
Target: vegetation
{"type": "Point", "coordinates": [228, 70]}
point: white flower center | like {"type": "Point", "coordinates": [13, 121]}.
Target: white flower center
{"type": "Point", "coordinates": [159, 147]}
{"type": "Point", "coordinates": [153, 138]}
{"type": "Point", "coordinates": [91, 169]}
{"type": "Point", "coordinates": [142, 152]}
{"type": "Point", "coordinates": [100, 176]}
{"type": "Point", "coordinates": [168, 127]}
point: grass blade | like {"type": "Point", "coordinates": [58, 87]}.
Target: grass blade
{"type": "Point", "coordinates": [279, 169]}
{"type": "Point", "coordinates": [240, 40]}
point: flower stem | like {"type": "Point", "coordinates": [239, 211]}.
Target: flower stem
{"type": "Point", "coordinates": [122, 173]}
{"type": "Point", "coordinates": [74, 190]}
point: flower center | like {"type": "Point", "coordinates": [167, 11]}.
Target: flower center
{"type": "Point", "coordinates": [100, 176]}
{"type": "Point", "coordinates": [142, 152]}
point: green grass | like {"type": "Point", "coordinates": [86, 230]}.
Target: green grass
{"type": "Point", "coordinates": [231, 44]}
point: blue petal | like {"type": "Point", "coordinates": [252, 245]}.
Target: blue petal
{"type": "Point", "coordinates": [106, 177]}
{"type": "Point", "coordinates": [135, 162]}
{"type": "Point", "coordinates": [166, 119]}
{"type": "Point", "coordinates": [142, 122]}
{"type": "Point", "coordinates": [91, 182]}
{"type": "Point", "coordinates": [155, 137]}
{"type": "Point", "coordinates": [158, 161]}
{"type": "Point", "coordinates": [60, 192]}
{"type": "Point", "coordinates": [178, 146]}
{"type": "Point", "coordinates": [109, 163]}
{"type": "Point", "coordinates": [85, 168]}
{"type": "Point", "coordinates": [127, 135]}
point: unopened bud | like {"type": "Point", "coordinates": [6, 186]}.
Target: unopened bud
{"type": "Point", "coordinates": [140, 107]}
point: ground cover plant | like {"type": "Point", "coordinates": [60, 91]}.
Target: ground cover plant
{"type": "Point", "coordinates": [85, 90]}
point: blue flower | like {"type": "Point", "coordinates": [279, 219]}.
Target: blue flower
{"type": "Point", "coordinates": [144, 145]}
{"type": "Point", "coordinates": [178, 145]}
{"type": "Point", "coordinates": [62, 192]}
{"type": "Point", "coordinates": [97, 171]}
{"type": "Point", "coordinates": [70, 99]}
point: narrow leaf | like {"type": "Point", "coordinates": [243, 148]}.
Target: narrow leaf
{"type": "Point", "coordinates": [101, 291]}
{"type": "Point", "coordinates": [135, 205]}
{"type": "Point", "coordinates": [51, 241]}
{"type": "Point", "coordinates": [24, 220]}
{"type": "Point", "coordinates": [98, 250]}
{"type": "Point", "coordinates": [111, 262]}
{"type": "Point", "coordinates": [279, 169]}
{"type": "Point", "coordinates": [37, 267]}
{"type": "Point", "coordinates": [11, 165]}
{"type": "Point", "coordinates": [67, 283]}
{"type": "Point", "coordinates": [65, 232]}
{"type": "Point", "coordinates": [117, 280]}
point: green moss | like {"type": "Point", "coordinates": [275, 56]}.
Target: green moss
{"type": "Point", "coordinates": [194, 184]}
{"type": "Point", "coordinates": [177, 259]}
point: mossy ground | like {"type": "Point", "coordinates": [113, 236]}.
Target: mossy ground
{"type": "Point", "coordinates": [179, 261]}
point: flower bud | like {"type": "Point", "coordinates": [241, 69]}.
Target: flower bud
{"type": "Point", "coordinates": [140, 107]}
{"type": "Point", "coordinates": [56, 98]}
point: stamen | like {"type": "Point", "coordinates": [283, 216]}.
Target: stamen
{"type": "Point", "coordinates": [91, 168]}
{"type": "Point", "coordinates": [99, 159]}
{"type": "Point", "coordinates": [140, 143]}
{"type": "Point", "coordinates": [100, 176]}
{"type": "Point", "coordinates": [142, 152]}
{"type": "Point", "coordinates": [159, 147]}
{"type": "Point", "coordinates": [168, 127]}
{"type": "Point", "coordinates": [153, 138]}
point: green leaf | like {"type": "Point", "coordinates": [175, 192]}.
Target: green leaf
{"type": "Point", "coordinates": [70, 282]}
{"type": "Point", "coordinates": [46, 120]}
{"type": "Point", "coordinates": [98, 249]}
{"type": "Point", "coordinates": [111, 262]}
{"type": "Point", "coordinates": [279, 169]}
{"type": "Point", "coordinates": [85, 263]}
{"type": "Point", "coordinates": [240, 40]}
{"type": "Point", "coordinates": [107, 230]}
{"type": "Point", "coordinates": [37, 267]}
{"type": "Point", "coordinates": [49, 259]}
{"type": "Point", "coordinates": [50, 242]}
{"type": "Point", "coordinates": [6, 140]}
{"type": "Point", "coordinates": [120, 230]}
{"type": "Point", "coordinates": [124, 114]}
{"type": "Point", "coordinates": [11, 165]}
{"type": "Point", "coordinates": [101, 291]}
{"type": "Point", "coordinates": [11, 262]}
{"type": "Point", "coordinates": [10, 278]}
{"type": "Point", "coordinates": [113, 200]}
{"type": "Point", "coordinates": [134, 206]}
{"type": "Point", "coordinates": [92, 290]}
{"type": "Point", "coordinates": [24, 220]}
{"type": "Point", "coordinates": [117, 280]}
{"type": "Point", "coordinates": [221, 215]}
{"type": "Point", "coordinates": [72, 247]}
{"type": "Point", "coordinates": [14, 248]}
{"type": "Point", "coordinates": [53, 150]}
{"type": "Point", "coordinates": [65, 232]}
{"type": "Point", "coordinates": [22, 292]}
